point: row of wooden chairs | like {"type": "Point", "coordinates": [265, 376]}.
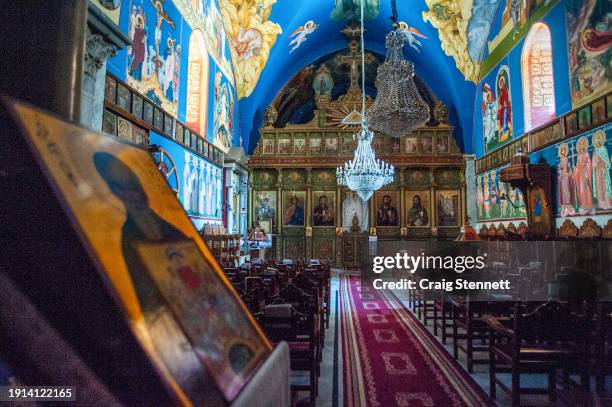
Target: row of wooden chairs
{"type": "Point", "coordinates": [291, 301]}
{"type": "Point", "coordinates": [552, 338]}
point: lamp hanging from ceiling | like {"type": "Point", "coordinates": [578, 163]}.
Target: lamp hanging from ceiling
{"type": "Point", "coordinates": [398, 108]}
{"type": "Point", "coordinates": [364, 174]}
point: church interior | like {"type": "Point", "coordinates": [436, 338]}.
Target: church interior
{"type": "Point", "coordinates": [292, 167]}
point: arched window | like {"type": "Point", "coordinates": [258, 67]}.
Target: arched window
{"type": "Point", "coordinates": [538, 81]}
{"type": "Point", "coordinates": [197, 83]}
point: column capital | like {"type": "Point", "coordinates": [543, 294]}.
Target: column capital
{"type": "Point", "coordinates": [97, 51]}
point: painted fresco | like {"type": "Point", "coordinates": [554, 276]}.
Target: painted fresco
{"type": "Point", "coordinates": [451, 19]}
{"type": "Point", "coordinates": [223, 119]}
{"type": "Point", "coordinates": [590, 40]}
{"type": "Point", "coordinates": [411, 34]}
{"type": "Point", "coordinates": [251, 35]}
{"type": "Point", "coordinates": [200, 182]}
{"type": "Point", "coordinates": [351, 10]}
{"type": "Point", "coordinates": [201, 187]}
{"type": "Point", "coordinates": [153, 59]}
{"type": "Point", "coordinates": [489, 191]}
{"type": "Point", "coordinates": [497, 110]}
{"type": "Point", "coordinates": [205, 15]}
{"type": "Point", "coordinates": [517, 16]}
{"type": "Point", "coordinates": [582, 166]}
{"type": "Point", "coordinates": [479, 27]}
{"type": "Point", "coordinates": [300, 34]}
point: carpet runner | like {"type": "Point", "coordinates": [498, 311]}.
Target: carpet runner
{"type": "Point", "coordinates": [390, 359]}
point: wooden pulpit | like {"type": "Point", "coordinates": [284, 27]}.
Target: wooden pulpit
{"type": "Point", "coordinates": [534, 182]}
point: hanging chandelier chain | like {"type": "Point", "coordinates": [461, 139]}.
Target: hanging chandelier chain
{"type": "Point", "coordinates": [398, 108]}
{"type": "Point", "coordinates": [362, 66]}
{"type": "Point", "coordinates": [364, 174]}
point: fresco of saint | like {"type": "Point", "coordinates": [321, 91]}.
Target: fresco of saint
{"type": "Point", "coordinates": [602, 187]}
{"type": "Point", "coordinates": [584, 177]}
{"type": "Point", "coordinates": [565, 182]}
{"type": "Point", "coordinates": [504, 105]}
{"type": "Point", "coordinates": [489, 114]}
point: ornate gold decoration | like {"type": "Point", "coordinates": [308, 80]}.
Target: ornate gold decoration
{"type": "Point", "coordinates": [511, 228]}
{"type": "Point", "coordinates": [440, 113]}
{"type": "Point", "coordinates": [270, 116]}
{"type": "Point", "coordinates": [589, 229]}
{"type": "Point", "coordinates": [522, 229]}
{"type": "Point", "coordinates": [568, 229]}
{"type": "Point", "coordinates": [492, 230]}
{"type": "Point", "coordinates": [451, 18]}
{"type": "Point", "coordinates": [607, 231]}
{"type": "Point", "coordinates": [501, 230]}
{"type": "Point", "coordinates": [251, 36]}
{"type": "Point", "coordinates": [484, 232]}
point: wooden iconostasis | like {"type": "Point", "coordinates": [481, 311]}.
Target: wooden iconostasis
{"type": "Point", "coordinates": [295, 195]}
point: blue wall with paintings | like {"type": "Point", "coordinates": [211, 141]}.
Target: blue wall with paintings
{"type": "Point", "coordinates": [199, 182]}
{"type": "Point", "coordinates": [581, 175]}
{"type": "Point", "coordinates": [158, 64]}
{"type": "Point", "coordinates": [507, 54]}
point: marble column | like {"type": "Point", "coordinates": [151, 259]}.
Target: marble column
{"type": "Point", "coordinates": [102, 41]}
{"type": "Point", "coordinates": [471, 205]}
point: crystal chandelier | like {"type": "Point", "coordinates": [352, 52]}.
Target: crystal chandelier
{"type": "Point", "coordinates": [398, 108]}
{"type": "Point", "coordinates": [364, 174]}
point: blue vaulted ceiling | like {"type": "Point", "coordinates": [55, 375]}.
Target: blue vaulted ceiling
{"type": "Point", "coordinates": [433, 66]}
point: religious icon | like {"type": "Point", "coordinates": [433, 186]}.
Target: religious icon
{"type": "Point", "coordinates": [426, 143]}
{"type": "Point", "coordinates": [138, 207]}
{"type": "Point", "coordinates": [265, 205]}
{"type": "Point", "coordinates": [314, 146]}
{"type": "Point", "coordinates": [418, 213]}
{"type": "Point", "coordinates": [442, 143]}
{"type": "Point", "coordinates": [598, 109]}
{"type": "Point", "coordinates": [584, 177]}
{"type": "Point", "coordinates": [504, 104]}
{"type": "Point", "coordinates": [565, 182]}
{"type": "Point", "coordinates": [448, 207]}
{"type": "Point", "coordinates": [206, 310]}
{"type": "Point", "coordinates": [324, 211]}
{"type": "Point", "coordinates": [268, 146]}
{"type": "Point", "coordinates": [489, 114]}
{"type": "Point", "coordinates": [123, 97]}
{"type": "Point", "coordinates": [124, 129]}
{"type": "Point", "coordinates": [331, 145]}
{"type": "Point", "coordinates": [347, 145]}
{"type": "Point", "coordinates": [323, 82]}
{"type": "Point", "coordinates": [386, 214]}
{"type": "Point", "coordinates": [354, 212]}
{"type": "Point", "coordinates": [602, 186]}
{"type": "Point", "coordinates": [109, 123]}
{"type": "Point", "coordinates": [284, 146]}
{"type": "Point", "coordinates": [110, 90]}
{"type": "Point", "coordinates": [571, 123]}
{"type": "Point", "coordinates": [539, 206]}
{"type": "Point", "coordinates": [410, 145]}
{"type": "Point", "coordinates": [299, 146]}
{"type": "Point", "coordinates": [293, 213]}
{"type": "Point", "coordinates": [584, 118]}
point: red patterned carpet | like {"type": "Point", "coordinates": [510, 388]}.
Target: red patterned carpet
{"type": "Point", "coordinates": [390, 359]}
